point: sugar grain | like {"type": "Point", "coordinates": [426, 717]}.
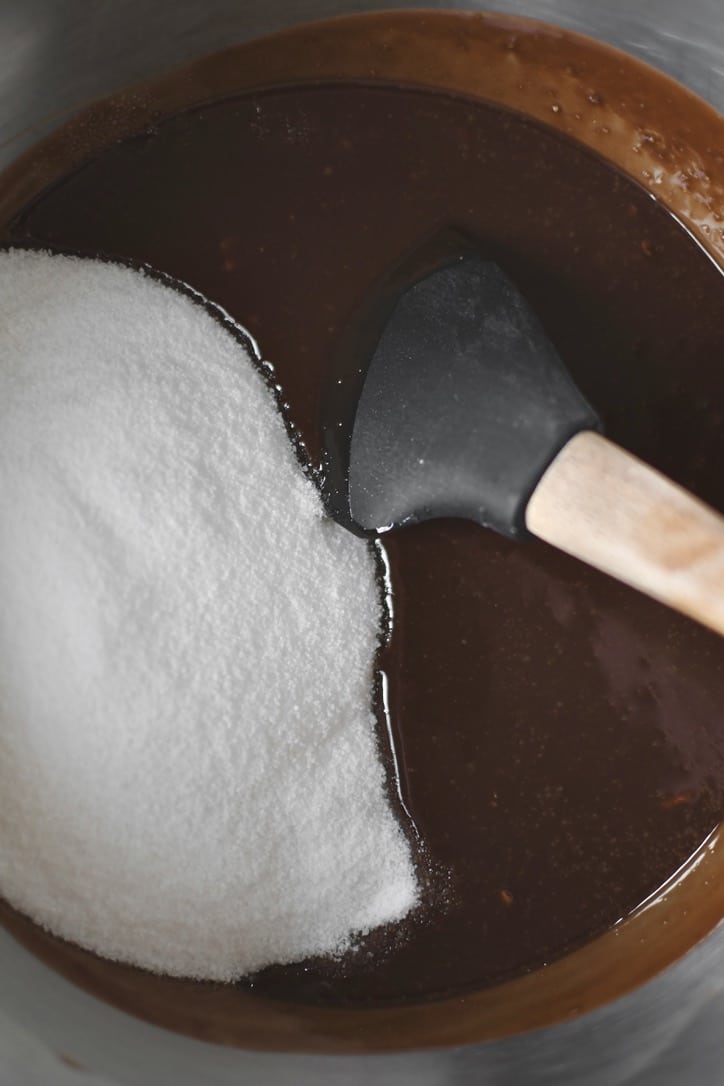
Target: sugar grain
{"type": "Point", "coordinates": [189, 772]}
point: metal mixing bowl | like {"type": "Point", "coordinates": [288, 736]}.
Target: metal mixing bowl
{"type": "Point", "coordinates": [56, 56]}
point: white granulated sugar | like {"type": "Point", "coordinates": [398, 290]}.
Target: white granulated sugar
{"type": "Point", "coordinates": [189, 774]}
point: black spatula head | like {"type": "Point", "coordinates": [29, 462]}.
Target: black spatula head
{"type": "Point", "coordinates": [464, 403]}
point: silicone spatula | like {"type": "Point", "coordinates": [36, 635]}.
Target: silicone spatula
{"type": "Point", "coordinates": [463, 408]}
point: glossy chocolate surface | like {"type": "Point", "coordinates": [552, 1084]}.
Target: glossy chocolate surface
{"type": "Point", "coordinates": [560, 738]}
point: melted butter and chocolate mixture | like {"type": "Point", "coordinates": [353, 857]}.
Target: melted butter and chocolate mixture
{"type": "Point", "coordinates": [560, 739]}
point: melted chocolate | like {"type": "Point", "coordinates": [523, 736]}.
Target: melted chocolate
{"type": "Point", "coordinates": [559, 737]}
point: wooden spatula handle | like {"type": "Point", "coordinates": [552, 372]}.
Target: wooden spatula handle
{"type": "Point", "coordinates": [616, 513]}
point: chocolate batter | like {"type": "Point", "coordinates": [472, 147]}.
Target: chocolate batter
{"type": "Point", "coordinates": [559, 738]}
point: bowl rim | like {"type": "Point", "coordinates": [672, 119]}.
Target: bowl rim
{"type": "Point", "coordinates": [664, 137]}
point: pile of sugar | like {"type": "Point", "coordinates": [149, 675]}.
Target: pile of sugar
{"type": "Point", "coordinates": [189, 775]}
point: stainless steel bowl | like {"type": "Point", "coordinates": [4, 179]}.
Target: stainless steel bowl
{"type": "Point", "coordinates": [57, 55]}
